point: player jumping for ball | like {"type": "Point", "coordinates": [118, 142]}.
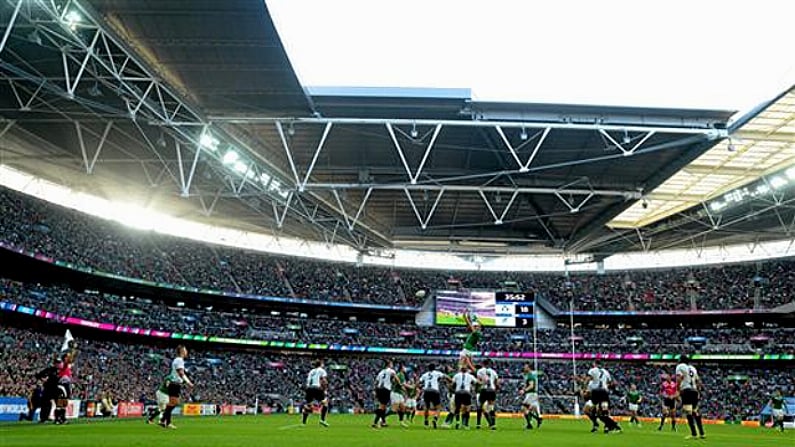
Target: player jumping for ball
{"type": "Point", "coordinates": [470, 344]}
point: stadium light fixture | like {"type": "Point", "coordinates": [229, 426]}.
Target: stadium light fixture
{"type": "Point", "coordinates": [230, 157]}
{"type": "Point", "coordinates": [240, 167]}
{"type": "Point", "coordinates": [414, 133]}
{"type": "Point", "coordinates": [626, 139]}
{"type": "Point", "coordinates": [208, 141]}
{"type": "Point", "coordinates": [72, 18]}
{"type": "Point", "coordinates": [778, 182]}
{"type": "Point", "coordinates": [523, 134]}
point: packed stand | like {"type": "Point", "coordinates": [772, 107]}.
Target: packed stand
{"type": "Point", "coordinates": [157, 315]}
{"type": "Point", "coordinates": [37, 226]}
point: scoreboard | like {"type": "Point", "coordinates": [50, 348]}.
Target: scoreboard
{"type": "Point", "coordinates": [514, 309]}
{"type": "Point", "coordinates": [492, 308]}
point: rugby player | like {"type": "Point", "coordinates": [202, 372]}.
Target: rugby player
{"type": "Point", "coordinates": [316, 386]}
{"type": "Point", "coordinates": [464, 383]}
{"type": "Point", "coordinates": [489, 382]}
{"type": "Point", "coordinates": [176, 378]}
{"type": "Point", "coordinates": [689, 383]}
{"type": "Point", "coordinates": [383, 392]}
{"type": "Point", "coordinates": [599, 386]}
{"type": "Point", "coordinates": [530, 405]}
{"type": "Point", "coordinates": [432, 393]}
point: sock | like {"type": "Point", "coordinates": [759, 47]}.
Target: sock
{"type": "Point", "coordinates": [673, 421]}
{"type": "Point", "coordinates": [537, 417]}
{"type": "Point", "coordinates": [465, 418]}
{"type": "Point", "coordinates": [400, 415]}
{"type": "Point", "coordinates": [479, 416]}
{"type": "Point", "coordinates": [692, 424]}
{"type": "Point", "coordinates": [592, 417]}
{"type": "Point", "coordinates": [426, 417]}
{"type": "Point", "coordinates": [323, 412]}
{"type": "Point", "coordinates": [449, 419]}
{"type": "Point", "coordinates": [493, 415]}
{"type": "Point", "coordinates": [699, 425]}
{"type": "Point", "coordinates": [527, 418]}
{"type": "Point", "coordinates": [662, 420]}
{"type": "Point", "coordinates": [154, 414]}
{"type": "Point", "coordinates": [377, 416]}
{"type": "Point", "coordinates": [167, 415]}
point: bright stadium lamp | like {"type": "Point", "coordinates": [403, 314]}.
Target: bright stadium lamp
{"type": "Point", "coordinates": [230, 157]}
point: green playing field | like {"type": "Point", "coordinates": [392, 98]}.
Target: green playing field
{"type": "Point", "coordinates": [355, 431]}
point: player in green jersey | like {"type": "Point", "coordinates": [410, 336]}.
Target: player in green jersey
{"type": "Point", "coordinates": [778, 409]}
{"type": "Point", "coordinates": [161, 397]}
{"type": "Point", "coordinates": [634, 399]}
{"type": "Point", "coordinates": [470, 344]}
{"type": "Point", "coordinates": [530, 405]}
{"type": "Point", "coordinates": [398, 396]}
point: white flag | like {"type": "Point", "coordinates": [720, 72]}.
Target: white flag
{"type": "Point", "coordinates": [66, 339]}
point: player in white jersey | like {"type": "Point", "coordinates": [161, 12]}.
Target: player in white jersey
{"type": "Point", "coordinates": [464, 384]}
{"type": "Point", "coordinates": [689, 383]}
{"type": "Point", "coordinates": [176, 378]}
{"type": "Point", "coordinates": [489, 384]}
{"type": "Point", "coordinates": [598, 386]}
{"type": "Point", "coordinates": [316, 386]}
{"type": "Point", "coordinates": [384, 381]}
{"type": "Point", "coordinates": [431, 383]}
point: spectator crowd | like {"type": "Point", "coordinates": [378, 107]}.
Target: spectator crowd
{"type": "Point", "coordinates": [67, 235]}
{"type": "Point", "coordinates": [132, 372]}
{"type": "Point", "coordinates": [148, 313]}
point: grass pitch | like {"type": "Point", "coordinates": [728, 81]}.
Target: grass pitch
{"type": "Point", "coordinates": [355, 431]}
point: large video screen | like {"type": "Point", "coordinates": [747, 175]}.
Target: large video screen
{"type": "Point", "coordinates": [491, 308]}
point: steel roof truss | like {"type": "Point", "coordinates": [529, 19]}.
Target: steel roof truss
{"type": "Point", "coordinates": [620, 146]}
{"type": "Point", "coordinates": [498, 220]}
{"type": "Point", "coordinates": [10, 25]}
{"type": "Point", "coordinates": [424, 221]}
{"type": "Point", "coordinates": [299, 183]}
{"type": "Point", "coordinates": [413, 176]}
{"type": "Point", "coordinates": [523, 167]}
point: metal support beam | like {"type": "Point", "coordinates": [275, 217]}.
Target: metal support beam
{"type": "Point", "coordinates": [351, 222]}
{"type": "Point", "coordinates": [281, 216]}
{"type": "Point", "coordinates": [498, 220]}
{"type": "Point", "coordinates": [625, 151]}
{"type": "Point", "coordinates": [712, 133]}
{"type": "Point", "coordinates": [10, 25]}
{"type": "Point", "coordinates": [628, 194]}
{"type": "Point", "coordinates": [424, 221]}
{"type": "Point", "coordinates": [523, 167]}
{"type": "Point", "coordinates": [413, 176]}
{"type": "Point", "coordinates": [301, 184]}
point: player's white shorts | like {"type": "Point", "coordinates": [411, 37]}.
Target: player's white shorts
{"type": "Point", "coordinates": [465, 354]}
{"type": "Point", "coordinates": [397, 399]}
{"type": "Point", "coordinates": [531, 400]}
{"type": "Point", "coordinates": [411, 403]}
{"type": "Point", "coordinates": [588, 404]}
{"type": "Point", "coordinates": [777, 414]}
{"type": "Point", "coordinates": [162, 400]}
{"type": "Point", "coordinates": [633, 407]}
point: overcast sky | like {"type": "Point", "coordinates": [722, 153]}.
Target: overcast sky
{"type": "Point", "coordinates": [674, 53]}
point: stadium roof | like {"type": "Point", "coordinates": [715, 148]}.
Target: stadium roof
{"type": "Point", "coordinates": [193, 107]}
